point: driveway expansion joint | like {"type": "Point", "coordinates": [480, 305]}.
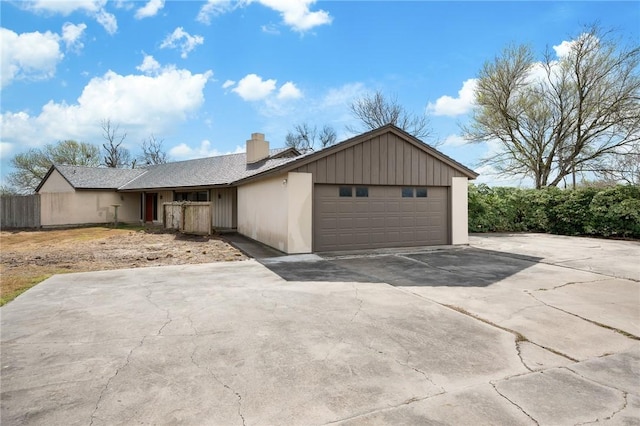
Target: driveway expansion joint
{"type": "Point", "coordinates": [384, 409]}
{"type": "Point", "coordinates": [568, 284]}
{"type": "Point", "coordinates": [599, 324]}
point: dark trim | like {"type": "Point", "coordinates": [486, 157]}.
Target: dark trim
{"type": "Point", "coordinates": [179, 188]}
{"type": "Point", "coordinates": [46, 177]}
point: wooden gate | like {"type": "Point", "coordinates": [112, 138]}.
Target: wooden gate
{"type": "Point", "coordinates": [189, 217]}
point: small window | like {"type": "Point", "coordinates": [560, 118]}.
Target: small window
{"type": "Point", "coordinates": [345, 191]}
{"type": "Point", "coordinates": [421, 192]}
{"type": "Point", "coordinates": [407, 192]}
{"type": "Point", "coordinates": [362, 191]}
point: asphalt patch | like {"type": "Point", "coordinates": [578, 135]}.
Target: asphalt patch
{"type": "Point", "coordinates": [317, 270]}
{"type": "Point", "coordinates": [466, 267]}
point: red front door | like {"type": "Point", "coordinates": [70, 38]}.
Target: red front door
{"type": "Point", "coordinates": [148, 210]}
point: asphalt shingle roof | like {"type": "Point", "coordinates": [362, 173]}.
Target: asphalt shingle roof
{"type": "Point", "coordinates": [221, 170]}
{"type": "Point", "coordinates": [98, 177]}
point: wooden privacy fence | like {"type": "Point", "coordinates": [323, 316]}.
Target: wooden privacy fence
{"type": "Point", "coordinates": [20, 211]}
{"type": "Point", "coordinates": [190, 217]}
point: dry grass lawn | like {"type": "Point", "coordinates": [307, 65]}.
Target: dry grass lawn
{"type": "Point", "coordinates": [30, 257]}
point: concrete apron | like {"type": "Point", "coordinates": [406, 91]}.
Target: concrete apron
{"type": "Point", "coordinates": [235, 344]}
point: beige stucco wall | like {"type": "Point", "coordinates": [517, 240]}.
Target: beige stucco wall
{"type": "Point", "coordinates": [300, 202]}
{"type": "Point", "coordinates": [83, 207]}
{"type": "Point", "coordinates": [56, 183]}
{"type": "Point", "coordinates": [459, 211]}
{"type": "Point", "coordinates": [278, 212]}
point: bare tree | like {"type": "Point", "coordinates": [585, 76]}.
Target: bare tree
{"type": "Point", "coordinates": [375, 110]}
{"type": "Point", "coordinates": [116, 156]}
{"type": "Point", "coordinates": [153, 151]}
{"type": "Point", "coordinates": [561, 116]}
{"type": "Point", "coordinates": [304, 137]}
{"type": "Point", "coordinates": [8, 190]}
{"type": "Point", "coordinates": [327, 136]}
{"type": "Point", "coordinates": [625, 167]}
{"type": "Point", "coordinates": [30, 167]}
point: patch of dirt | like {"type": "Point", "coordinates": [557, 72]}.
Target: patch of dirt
{"type": "Point", "coordinates": [29, 256]}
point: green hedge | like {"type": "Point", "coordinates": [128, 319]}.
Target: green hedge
{"type": "Point", "coordinates": [607, 212]}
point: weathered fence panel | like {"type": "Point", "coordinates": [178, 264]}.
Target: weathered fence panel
{"type": "Point", "coordinates": [20, 211]}
{"type": "Point", "coordinates": [172, 215]}
{"type": "Point", "coordinates": [188, 217]}
{"type": "Point", "coordinates": [196, 218]}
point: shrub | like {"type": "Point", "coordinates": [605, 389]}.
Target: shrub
{"type": "Point", "coordinates": [613, 211]}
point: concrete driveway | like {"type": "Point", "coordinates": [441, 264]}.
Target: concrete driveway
{"type": "Point", "coordinates": [524, 329]}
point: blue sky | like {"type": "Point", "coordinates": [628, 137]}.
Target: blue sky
{"type": "Point", "coordinates": [203, 76]}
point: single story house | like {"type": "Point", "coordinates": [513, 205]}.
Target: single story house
{"type": "Point", "coordinates": [383, 188]}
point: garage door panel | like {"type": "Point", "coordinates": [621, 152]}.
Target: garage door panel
{"type": "Point", "coordinates": [383, 219]}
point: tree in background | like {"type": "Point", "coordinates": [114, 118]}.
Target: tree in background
{"type": "Point", "coordinates": [304, 137]}
{"type": "Point", "coordinates": [375, 110]}
{"type": "Point", "coordinates": [557, 117]}
{"type": "Point", "coordinates": [31, 166]}
{"type": "Point", "coordinates": [115, 155]}
{"type": "Point", "coordinates": [153, 151]}
{"type": "Point", "coordinates": [625, 167]}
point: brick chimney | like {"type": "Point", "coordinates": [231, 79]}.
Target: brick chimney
{"type": "Point", "coordinates": [257, 148]}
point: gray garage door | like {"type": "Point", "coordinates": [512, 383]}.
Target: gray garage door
{"type": "Point", "coordinates": [358, 217]}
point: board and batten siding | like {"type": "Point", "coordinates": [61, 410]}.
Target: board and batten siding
{"type": "Point", "coordinates": [383, 160]}
{"type": "Point", "coordinates": [225, 201]}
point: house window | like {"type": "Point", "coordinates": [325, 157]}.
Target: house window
{"type": "Point", "coordinates": [345, 191]}
{"type": "Point", "coordinates": [407, 192]}
{"type": "Point", "coordinates": [362, 191]}
{"type": "Point", "coordinates": [421, 192]}
{"type": "Point", "coordinates": [192, 196]}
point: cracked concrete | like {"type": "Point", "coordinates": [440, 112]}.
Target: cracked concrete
{"type": "Point", "coordinates": [237, 344]}
{"type": "Point", "coordinates": [559, 396]}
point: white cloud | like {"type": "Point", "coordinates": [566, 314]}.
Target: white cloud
{"type": "Point", "coordinates": [228, 84]}
{"type": "Point", "coordinates": [29, 56]}
{"type": "Point", "coordinates": [253, 88]}
{"type": "Point", "coordinates": [71, 35]}
{"type": "Point", "coordinates": [138, 103]}
{"type": "Point", "coordinates": [5, 149]}
{"type": "Point", "coordinates": [289, 91]}
{"type": "Point", "coordinates": [449, 106]}
{"type": "Point", "coordinates": [124, 4]}
{"type": "Point", "coordinates": [65, 7]}
{"type": "Point", "coordinates": [185, 152]}
{"type": "Point", "coordinates": [180, 39]}
{"type": "Point", "coordinates": [149, 65]}
{"type": "Point", "coordinates": [454, 140]}
{"type": "Point", "coordinates": [564, 48]}
{"type": "Point", "coordinates": [217, 7]}
{"type": "Point", "coordinates": [108, 21]}
{"type": "Point", "coordinates": [296, 14]}
{"type": "Point", "coordinates": [93, 8]}
{"type": "Point", "coordinates": [343, 95]}
{"type": "Point", "coordinates": [149, 9]}
{"type": "Point", "coordinates": [270, 29]}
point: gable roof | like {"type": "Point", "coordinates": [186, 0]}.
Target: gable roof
{"type": "Point", "coordinates": [315, 156]}
{"type": "Point", "coordinates": [82, 177]}
{"type": "Point", "coordinates": [225, 170]}
{"type": "Point", "coordinates": [212, 171]}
